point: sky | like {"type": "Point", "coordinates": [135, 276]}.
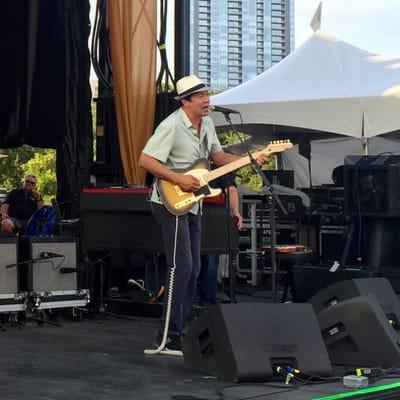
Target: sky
{"type": "Point", "coordinates": [373, 25]}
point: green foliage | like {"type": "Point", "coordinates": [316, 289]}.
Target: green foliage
{"type": "Point", "coordinates": [228, 137]}
{"type": "Point", "coordinates": [246, 176]}
{"type": "Point", "coordinates": [28, 160]}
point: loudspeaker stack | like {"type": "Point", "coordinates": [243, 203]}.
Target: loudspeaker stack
{"type": "Point", "coordinates": [11, 299]}
{"type": "Point", "coordinates": [49, 273]}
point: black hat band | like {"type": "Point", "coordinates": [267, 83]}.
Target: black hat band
{"type": "Point", "coordinates": [194, 88]}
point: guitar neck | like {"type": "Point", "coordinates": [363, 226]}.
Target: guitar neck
{"type": "Point", "coordinates": [226, 169]}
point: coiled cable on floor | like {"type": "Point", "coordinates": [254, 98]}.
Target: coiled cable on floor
{"type": "Point", "coordinates": [162, 349]}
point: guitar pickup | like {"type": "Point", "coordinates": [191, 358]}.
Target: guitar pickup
{"type": "Point", "coordinates": [204, 190]}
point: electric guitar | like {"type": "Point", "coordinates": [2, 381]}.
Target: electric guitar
{"type": "Point", "coordinates": [179, 202]}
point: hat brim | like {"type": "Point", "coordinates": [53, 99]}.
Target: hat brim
{"type": "Point", "coordinates": [203, 89]}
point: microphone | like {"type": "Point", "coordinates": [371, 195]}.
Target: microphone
{"type": "Point", "coordinates": [223, 110]}
{"type": "Point", "coordinates": [48, 254]}
{"type": "Point", "coordinates": [68, 270]}
{"type": "Point", "coordinates": [11, 265]}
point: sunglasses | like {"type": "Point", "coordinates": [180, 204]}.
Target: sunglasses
{"type": "Point", "coordinates": [28, 181]}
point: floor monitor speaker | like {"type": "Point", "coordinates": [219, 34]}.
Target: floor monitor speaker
{"type": "Point", "coordinates": [357, 333]}
{"type": "Point", "coordinates": [248, 342]}
{"type": "Point", "coordinates": [341, 291]}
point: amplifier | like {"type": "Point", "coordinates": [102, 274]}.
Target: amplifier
{"type": "Point", "coordinates": [308, 280]}
{"type": "Point", "coordinates": [293, 208]}
{"type": "Point", "coordinates": [9, 256]}
{"type": "Point", "coordinates": [372, 185]}
{"type": "Point", "coordinates": [54, 263]}
{"type": "Point", "coordinates": [332, 240]}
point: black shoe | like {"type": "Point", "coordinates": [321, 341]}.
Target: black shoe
{"type": "Point", "coordinates": [174, 342]}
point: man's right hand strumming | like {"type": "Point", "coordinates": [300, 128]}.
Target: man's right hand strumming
{"type": "Point", "coordinates": [188, 183]}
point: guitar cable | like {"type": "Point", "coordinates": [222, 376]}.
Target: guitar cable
{"type": "Point", "coordinates": [162, 349]}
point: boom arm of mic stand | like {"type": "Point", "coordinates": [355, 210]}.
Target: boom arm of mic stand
{"type": "Point", "coordinates": [272, 199]}
{"type": "Point", "coordinates": [31, 260]}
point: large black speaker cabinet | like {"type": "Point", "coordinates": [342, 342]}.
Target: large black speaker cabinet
{"type": "Point", "coordinates": [8, 257]}
{"type": "Point", "coordinates": [371, 185]}
{"type": "Point", "coordinates": [340, 291]}
{"type": "Point", "coordinates": [247, 342]}
{"type": "Point", "coordinates": [308, 279]}
{"type": "Point", "coordinates": [53, 259]}
{"type": "Point", "coordinates": [357, 333]}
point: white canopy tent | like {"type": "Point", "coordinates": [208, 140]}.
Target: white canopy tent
{"type": "Point", "coordinates": [326, 85]}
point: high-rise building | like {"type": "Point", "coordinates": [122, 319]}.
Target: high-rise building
{"type": "Point", "coordinates": [232, 41]}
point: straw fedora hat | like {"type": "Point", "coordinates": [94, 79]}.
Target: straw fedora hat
{"type": "Point", "coordinates": [189, 85]}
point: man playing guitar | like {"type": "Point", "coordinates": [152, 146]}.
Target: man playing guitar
{"type": "Point", "coordinates": [185, 136]}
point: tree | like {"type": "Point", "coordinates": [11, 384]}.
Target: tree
{"type": "Point", "coordinates": [246, 176]}
{"type": "Point", "coordinates": [29, 160]}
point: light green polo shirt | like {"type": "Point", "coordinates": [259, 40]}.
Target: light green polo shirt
{"type": "Point", "coordinates": [175, 143]}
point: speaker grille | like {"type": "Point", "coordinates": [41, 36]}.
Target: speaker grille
{"type": "Point", "coordinates": [45, 275]}
{"type": "Point", "coordinates": [8, 276]}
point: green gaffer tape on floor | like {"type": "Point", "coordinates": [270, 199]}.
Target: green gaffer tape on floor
{"type": "Point", "coordinates": [349, 395]}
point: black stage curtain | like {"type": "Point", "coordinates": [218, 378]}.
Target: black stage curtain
{"type": "Point", "coordinates": [45, 92]}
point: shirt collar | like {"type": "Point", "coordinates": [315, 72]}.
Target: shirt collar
{"type": "Point", "coordinates": [186, 120]}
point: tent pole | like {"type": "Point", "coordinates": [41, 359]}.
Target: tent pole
{"type": "Point", "coordinates": [364, 140]}
{"type": "Point", "coordinates": [364, 146]}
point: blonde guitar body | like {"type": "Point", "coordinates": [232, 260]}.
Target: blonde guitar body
{"type": "Point", "coordinates": [179, 202]}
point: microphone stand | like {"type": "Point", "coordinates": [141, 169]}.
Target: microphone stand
{"type": "Point", "coordinates": [102, 265]}
{"type": "Point", "coordinates": [272, 200]}
{"type": "Point", "coordinates": [231, 266]}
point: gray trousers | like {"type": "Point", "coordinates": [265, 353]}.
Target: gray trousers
{"type": "Point", "coordinates": [187, 261]}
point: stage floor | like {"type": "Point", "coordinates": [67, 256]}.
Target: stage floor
{"type": "Point", "coordinates": [102, 358]}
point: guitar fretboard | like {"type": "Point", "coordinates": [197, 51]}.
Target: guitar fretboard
{"type": "Point", "coordinates": [225, 169]}
{"type": "Point", "coordinates": [273, 147]}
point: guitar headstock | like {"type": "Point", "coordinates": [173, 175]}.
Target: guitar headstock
{"type": "Point", "coordinates": [277, 146]}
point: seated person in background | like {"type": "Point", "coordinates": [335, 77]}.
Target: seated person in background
{"type": "Point", "coordinates": [20, 205]}
{"type": "Point", "coordinates": [207, 281]}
